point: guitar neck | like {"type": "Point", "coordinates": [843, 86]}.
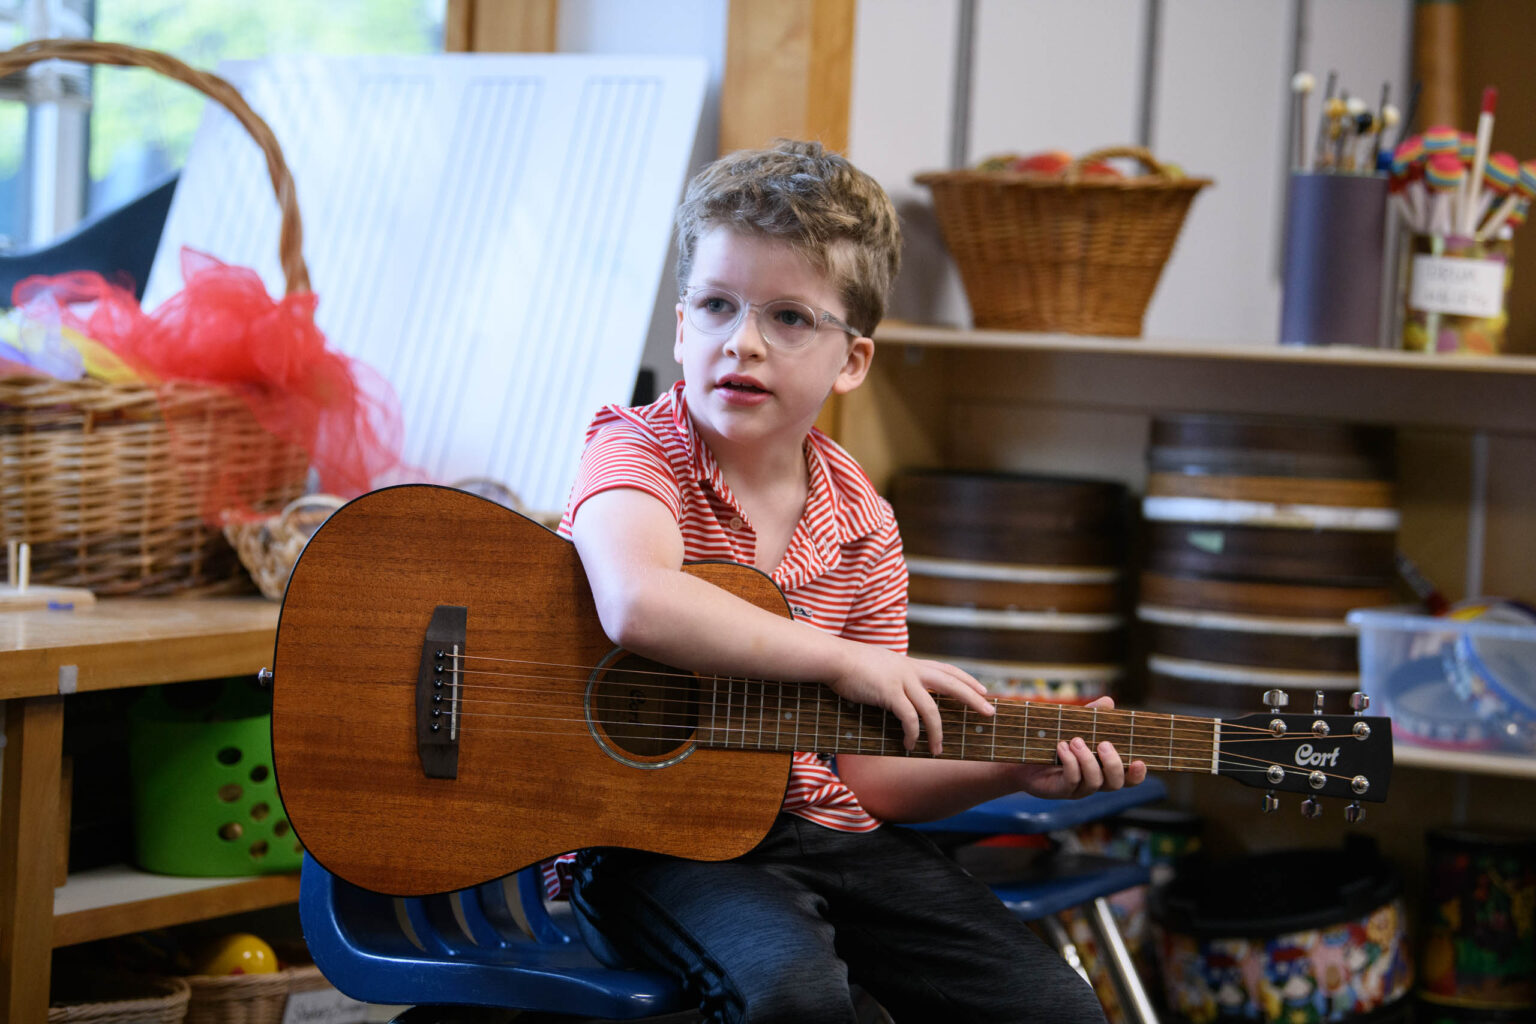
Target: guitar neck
{"type": "Point", "coordinates": [750, 714]}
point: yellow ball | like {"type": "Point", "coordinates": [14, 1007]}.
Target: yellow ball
{"type": "Point", "coordinates": [240, 953]}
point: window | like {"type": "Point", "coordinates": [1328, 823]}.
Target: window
{"type": "Point", "coordinates": [140, 124]}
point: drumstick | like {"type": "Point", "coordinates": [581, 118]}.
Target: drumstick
{"type": "Point", "coordinates": [1479, 159]}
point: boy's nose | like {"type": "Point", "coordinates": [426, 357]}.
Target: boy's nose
{"type": "Point", "coordinates": [746, 341]}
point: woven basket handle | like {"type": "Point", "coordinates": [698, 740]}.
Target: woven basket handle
{"type": "Point", "coordinates": [290, 243]}
{"type": "Point", "coordinates": [330, 501]}
{"type": "Point", "coordinates": [1141, 154]}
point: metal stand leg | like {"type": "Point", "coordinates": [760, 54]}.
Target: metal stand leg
{"type": "Point", "coordinates": [1065, 946]}
{"type": "Point", "coordinates": [1117, 961]}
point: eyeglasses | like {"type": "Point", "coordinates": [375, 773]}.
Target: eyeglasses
{"type": "Point", "coordinates": [783, 323]}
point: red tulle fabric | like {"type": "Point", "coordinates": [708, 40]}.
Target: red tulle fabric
{"type": "Point", "coordinates": [223, 330]}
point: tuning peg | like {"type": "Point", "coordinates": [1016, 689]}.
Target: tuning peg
{"type": "Point", "coordinates": [1270, 803]}
{"type": "Point", "coordinates": [1276, 699]}
{"type": "Point", "coordinates": [1311, 807]}
{"type": "Point", "coordinates": [264, 678]}
{"type": "Point", "coordinates": [1360, 702]}
{"type": "Point", "coordinates": [1354, 813]}
{"type": "Point", "coordinates": [1317, 702]}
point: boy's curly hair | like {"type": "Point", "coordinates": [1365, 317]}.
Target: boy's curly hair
{"type": "Point", "coordinates": [832, 213]}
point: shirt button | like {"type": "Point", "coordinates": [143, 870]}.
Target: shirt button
{"type": "Point", "coordinates": [736, 523]}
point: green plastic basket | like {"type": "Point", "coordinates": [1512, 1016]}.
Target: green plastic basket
{"type": "Point", "coordinates": [204, 795]}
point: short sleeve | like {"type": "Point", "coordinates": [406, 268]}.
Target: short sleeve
{"type": "Point", "coordinates": [623, 454]}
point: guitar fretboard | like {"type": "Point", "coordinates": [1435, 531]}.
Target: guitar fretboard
{"type": "Point", "coordinates": [751, 714]}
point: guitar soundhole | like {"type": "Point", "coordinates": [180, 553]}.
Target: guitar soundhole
{"type": "Point", "coordinates": [645, 708]}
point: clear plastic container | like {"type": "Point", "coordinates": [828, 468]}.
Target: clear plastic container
{"type": "Point", "coordinates": [1452, 683]}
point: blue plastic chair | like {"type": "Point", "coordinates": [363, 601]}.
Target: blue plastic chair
{"type": "Point", "coordinates": [1064, 879]}
{"type": "Point", "coordinates": [499, 945]}
{"type": "Point", "coordinates": [495, 945]}
{"type": "Point", "coordinates": [118, 243]}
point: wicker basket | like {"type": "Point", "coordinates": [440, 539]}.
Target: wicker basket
{"type": "Point", "coordinates": [269, 548]}
{"type": "Point", "coordinates": [248, 998]}
{"type": "Point", "coordinates": [88, 475]}
{"type": "Point", "coordinates": [1071, 254]}
{"type": "Point", "coordinates": [139, 1000]}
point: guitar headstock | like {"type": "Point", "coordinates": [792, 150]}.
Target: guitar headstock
{"type": "Point", "coordinates": [1317, 754]}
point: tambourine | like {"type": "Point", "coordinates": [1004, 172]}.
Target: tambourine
{"type": "Point", "coordinates": [1494, 669]}
{"type": "Point", "coordinates": [1426, 709]}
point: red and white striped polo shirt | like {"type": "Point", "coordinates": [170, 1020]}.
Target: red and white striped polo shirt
{"type": "Point", "coordinates": [843, 571]}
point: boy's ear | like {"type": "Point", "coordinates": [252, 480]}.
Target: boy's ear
{"type": "Point", "coordinates": [861, 352]}
{"type": "Point", "coordinates": [677, 344]}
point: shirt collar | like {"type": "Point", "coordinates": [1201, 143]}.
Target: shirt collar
{"type": "Point", "coordinates": [841, 505]}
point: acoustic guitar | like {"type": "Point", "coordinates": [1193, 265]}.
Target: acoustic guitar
{"type": "Point", "coordinates": [447, 709]}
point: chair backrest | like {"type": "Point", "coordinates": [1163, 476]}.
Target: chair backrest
{"type": "Point", "coordinates": [496, 944]}
{"type": "Point", "coordinates": [119, 244]}
{"type": "Point", "coordinates": [1022, 814]}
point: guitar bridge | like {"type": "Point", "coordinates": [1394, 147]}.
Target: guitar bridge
{"type": "Point", "coordinates": [439, 692]}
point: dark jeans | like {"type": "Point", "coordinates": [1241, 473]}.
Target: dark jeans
{"type": "Point", "coordinates": [777, 935]}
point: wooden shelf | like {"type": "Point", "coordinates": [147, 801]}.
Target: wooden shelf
{"type": "Point", "coordinates": [133, 641]}
{"type": "Point", "coordinates": [1166, 348]}
{"type": "Point", "coordinates": [119, 900]}
{"type": "Point", "coordinates": [1512, 766]}
{"type": "Point", "coordinates": [1496, 393]}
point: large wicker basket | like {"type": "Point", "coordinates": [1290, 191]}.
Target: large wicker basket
{"type": "Point", "coordinates": [123, 1000]}
{"type": "Point", "coordinates": [1076, 254]}
{"type": "Point", "coordinates": [89, 476]}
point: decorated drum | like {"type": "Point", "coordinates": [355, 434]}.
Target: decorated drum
{"type": "Point", "coordinates": [1291, 937]}
{"type": "Point", "coordinates": [1479, 944]}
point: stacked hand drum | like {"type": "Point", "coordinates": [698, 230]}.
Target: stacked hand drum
{"type": "Point", "coordinates": [1017, 579]}
{"type": "Point", "coordinates": [1261, 535]}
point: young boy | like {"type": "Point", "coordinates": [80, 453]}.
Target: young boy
{"type": "Point", "coordinates": [785, 259]}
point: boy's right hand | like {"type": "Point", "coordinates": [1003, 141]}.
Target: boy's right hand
{"type": "Point", "coordinates": [902, 685]}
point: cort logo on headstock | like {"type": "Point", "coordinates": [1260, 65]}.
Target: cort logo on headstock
{"type": "Point", "coordinates": [1307, 757]}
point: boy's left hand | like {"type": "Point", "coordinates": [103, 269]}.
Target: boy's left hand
{"type": "Point", "coordinates": [1082, 770]}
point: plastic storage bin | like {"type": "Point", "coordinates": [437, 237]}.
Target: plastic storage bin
{"type": "Point", "coordinates": [204, 796]}
{"type": "Point", "coordinates": [1452, 683]}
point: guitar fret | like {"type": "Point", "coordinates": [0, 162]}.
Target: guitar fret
{"type": "Point", "coordinates": [762, 697]}
{"type": "Point", "coordinates": [798, 689]}
{"type": "Point", "coordinates": [741, 740]}
{"type": "Point", "coordinates": [1024, 743]}
{"type": "Point", "coordinates": [817, 737]}
{"type": "Point", "coordinates": [778, 719]}
{"type": "Point", "coordinates": [729, 692]}
{"type": "Point", "coordinates": [992, 752]}
{"type": "Point", "coordinates": [714, 719]}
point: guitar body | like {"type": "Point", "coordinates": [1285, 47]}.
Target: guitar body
{"type": "Point", "coordinates": [533, 776]}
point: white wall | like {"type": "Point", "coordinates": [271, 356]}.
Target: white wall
{"type": "Point", "coordinates": [1053, 75]}
{"type": "Point", "coordinates": [657, 28]}
{"type": "Point", "coordinates": [1066, 74]}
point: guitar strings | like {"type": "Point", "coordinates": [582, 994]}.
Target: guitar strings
{"type": "Point", "coordinates": [1009, 725]}
{"type": "Point", "coordinates": [1116, 724]}
{"type": "Point", "coordinates": [1009, 714]}
{"type": "Point", "coordinates": [1201, 758]}
{"type": "Point", "coordinates": [690, 681]}
{"type": "Point", "coordinates": [813, 740]}
{"type": "Point", "coordinates": [1158, 762]}
{"type": "Point", "coordinates": [1021, 734]}
{"type": "Point", "coordinates": [681, 675]}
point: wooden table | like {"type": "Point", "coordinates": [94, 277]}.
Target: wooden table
{"type": "Point", "coordinates": [44, 657]}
